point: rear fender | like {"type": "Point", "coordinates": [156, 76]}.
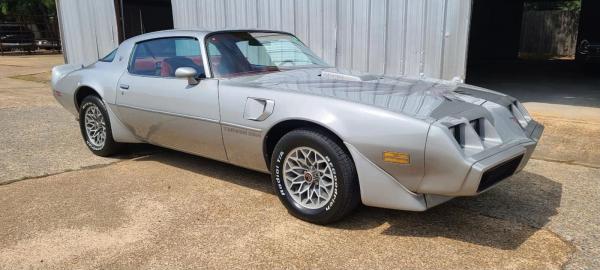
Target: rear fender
{"type": "Point", "coordinates": [59, 72]}
{"type": "Point", "coordinates": [68, 80]}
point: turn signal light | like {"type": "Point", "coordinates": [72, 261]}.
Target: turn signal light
{"type": "Point", "coordinates": [396, 157]}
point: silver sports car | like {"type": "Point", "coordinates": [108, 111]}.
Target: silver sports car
{"type": "Point", "coordinates": [330, 139]}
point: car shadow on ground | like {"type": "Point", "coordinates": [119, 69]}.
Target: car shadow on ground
{"type": "Point", "coordinates": [134, 150]}
{"type": "Point", "coordinates": [502, 218]}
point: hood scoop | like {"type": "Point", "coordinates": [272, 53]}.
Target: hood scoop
{"type": "Point", "coordinates": [336, 75]}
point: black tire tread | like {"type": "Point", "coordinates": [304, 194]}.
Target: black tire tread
{"type": "Point", "coordinates": [110, 146]}
{"type": "Point", "coordinates": [347, 167]}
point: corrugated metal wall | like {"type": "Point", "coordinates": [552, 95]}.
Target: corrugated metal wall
{"type": "Point", "coordinates": [88, 29]}
{"type": "Point", "coordinates": [394, 37]}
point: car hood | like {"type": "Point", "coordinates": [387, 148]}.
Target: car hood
{"type": "Point", "coordinates": [420, 98]}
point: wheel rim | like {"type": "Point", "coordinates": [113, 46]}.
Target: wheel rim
{"type": "Point", "coordinates": [308, 177]}
{"type": "Point", "coordinates": [95, 126]}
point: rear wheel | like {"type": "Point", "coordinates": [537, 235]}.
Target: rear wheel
{"type": "Point", "coordinates": [314, 177]}
{"type": "Point", "coordinates": [95, 127]}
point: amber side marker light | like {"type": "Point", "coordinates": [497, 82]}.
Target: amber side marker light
{"type": "Point", "coordinates": [396, 157]}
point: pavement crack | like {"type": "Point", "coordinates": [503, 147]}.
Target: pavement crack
{"type": "Point", "coordinates": [83, 168]}
{"type": "Point", "coordinates": [568, 162]}
{"type": "Point", "coordinates": [11, 65]}
{"type": "Point", "coordinates": [496, 217]}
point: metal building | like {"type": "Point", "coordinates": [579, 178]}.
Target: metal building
{"type": "Point", "coordinates": [395, 37]}
{"type": "Point", "coordinates": [88, 29]}
{"type": "Point", "coordinates": [408, 37]}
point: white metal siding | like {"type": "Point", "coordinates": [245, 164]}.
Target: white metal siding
{"type": "Point", "coordinates": [88, 29]}
{"type": "Point", "coordinates": [393, 37]}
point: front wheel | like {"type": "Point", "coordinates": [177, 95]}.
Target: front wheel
{"type": "Point", "coordinates": [314, 177]}
{"type": "Point", "coordinates": [95, 127]}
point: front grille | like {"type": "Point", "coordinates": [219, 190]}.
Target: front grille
{"type": "Point", "coordinates": [462, 132]}
{"type": "Point", "coordinates": [499, 173]}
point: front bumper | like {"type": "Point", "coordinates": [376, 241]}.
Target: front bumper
{"type": "Point", "coordinates": [454, 171]}
{"type": "Point", "coordinates": [379, 189]}
{"type": "Point", "coordinates": [488, 172]}
{"type": "Point", "coordinates": [492, 170]}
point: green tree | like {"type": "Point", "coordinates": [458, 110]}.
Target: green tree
{"type": "Point", "coordinates": [27, 7]}
{"type": "Point", "coordinates": [37, 15]}
{"type": "Point", "coordinates": [574, 5]}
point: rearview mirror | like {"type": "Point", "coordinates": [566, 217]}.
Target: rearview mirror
{"type": "Point", "coordinates": [188, 73]}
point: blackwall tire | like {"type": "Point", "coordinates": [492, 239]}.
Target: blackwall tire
{"type": "Point", "coordinates": [95, 127]}
{"type": "Point", "coordinates": [311, 156]}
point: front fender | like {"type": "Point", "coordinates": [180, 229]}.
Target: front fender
{"type": "Point", "coordinates": [371, 130]}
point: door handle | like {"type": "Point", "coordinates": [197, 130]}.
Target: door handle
{"type": "Point", "coordinates": [124, 86]}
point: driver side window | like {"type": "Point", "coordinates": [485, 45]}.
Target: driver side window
{"type": "Point", "coordinates": [161, 57]}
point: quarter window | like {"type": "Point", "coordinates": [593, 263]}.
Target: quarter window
{"type": "Point", "coordinates": [161, 57]}
{"type": "Point", "coordinates": [110, 57]}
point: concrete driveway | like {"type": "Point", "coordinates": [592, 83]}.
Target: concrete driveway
{"type": "Point", "coordinates": [61, 207]}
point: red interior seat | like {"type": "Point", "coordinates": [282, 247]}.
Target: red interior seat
{"type": "Point", "coordinates": [144, 65]}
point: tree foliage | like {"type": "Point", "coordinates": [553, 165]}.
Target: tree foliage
{"type": "Point", "coordinates": [574, 5]}
{"type": "Point", "coordinates": [37, 15]}
{"type": "Point", "coordinates": [27, 7]}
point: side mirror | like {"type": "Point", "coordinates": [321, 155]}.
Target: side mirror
{"type": "Point", "coordinates": [190, 74]}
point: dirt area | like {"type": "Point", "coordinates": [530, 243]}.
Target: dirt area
{"type": "Point", "coordinates": [43, 77]}
{"type": "Point", "coordinates": [570, 141]}
{"type": "Point", "coordinates": [173, 210]}
{"type": "Point", "coordinates": [158, 209]}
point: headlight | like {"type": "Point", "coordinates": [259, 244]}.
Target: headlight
{"type": "Point", "coordinates": [460, 134]}
{"type": "Point", "coordinates": [456, 133]}
{"type": "Point", "coordinates": [474, 135]}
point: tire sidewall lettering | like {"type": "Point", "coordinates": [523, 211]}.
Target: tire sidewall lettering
{"type": "Point", "coordinates": [335, 184]}
{"type": "Point", "coordinates": [278, 174]}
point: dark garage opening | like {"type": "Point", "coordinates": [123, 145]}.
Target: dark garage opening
{"type": "Point", "coordinates": [136, 17]}
{"type": "Point", "coordinates": [537, 51]}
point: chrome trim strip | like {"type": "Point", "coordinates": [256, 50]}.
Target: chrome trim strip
{"type": "Point", "coordinates": [171, 114]}
{"type": "Point", "coordinates": [241, 126]}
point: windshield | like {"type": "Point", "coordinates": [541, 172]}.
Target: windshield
{"type": "Point", "coordinates": [234, 54]}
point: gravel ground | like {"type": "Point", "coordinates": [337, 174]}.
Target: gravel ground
{"type": "Point", "coordinates": [39, 137]}
{"type": "Point", "coordinates": [159, 209]}
{"type": "Point", "coordinates": [172, 210]}
{"type": "Point", "coordinates": [562, 198]}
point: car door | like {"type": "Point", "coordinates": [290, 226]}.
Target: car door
{"type": "Point", "coordinates": [169, 111]}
